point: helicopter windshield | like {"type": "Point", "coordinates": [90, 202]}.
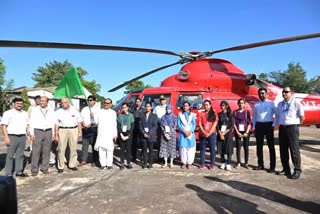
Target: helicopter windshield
{"type": "Point", "coordinates": [195, 100]}
{"type": "Point", "coordinates": [124, 99]}
{"type": "Point", "coordinates": [154, 99]}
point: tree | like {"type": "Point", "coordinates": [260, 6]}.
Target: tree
{"type": "Point", "coordinates": [4, 84]}
{"type": "Point", "coordinates": [138, 84]}
{"type": "Point", "coordinates": [53, 72]}
{"type": "Point", "coordinates": [314, 85]}
{"type": "Point", "coordinates": [295, 77]}
{"type": "Point", "coordinates": [26, 103]}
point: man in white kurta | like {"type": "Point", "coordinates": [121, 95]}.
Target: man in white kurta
{"type": "Point", "coordinates": [106, 120]}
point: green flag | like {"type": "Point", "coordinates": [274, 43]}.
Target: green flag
{"type": "Point", "coordinates": [69, 86]}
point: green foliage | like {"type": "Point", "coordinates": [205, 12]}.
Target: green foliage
{"type": "Point", "coordinates": [52, 73]}
{"type": "Point", "coordinates": [138, 84]}
{"type": "Point", "coordinates": [294, 77]}
{"type": "Point", "coordinates": [26, 103]}
{"type": "Point", "coordinates": [5, 84]}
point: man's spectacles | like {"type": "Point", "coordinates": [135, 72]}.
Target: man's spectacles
{"type": "Point", "coordinates": [90, 100]}
{"type": "Point", "coordinates": [286, 92]}
{"type": "Point", "coordinates": [107, 103]}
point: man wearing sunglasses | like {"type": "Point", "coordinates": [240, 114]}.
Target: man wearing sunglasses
{"type": "Point", "coordinates": [89, 131]}
{"type": "Point", "coordinates": [106, 120]}
{"type": "Point", "coordinates": [291, 115]}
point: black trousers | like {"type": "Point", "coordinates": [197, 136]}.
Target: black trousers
{"type": "Point", "coordinates": [289, 139]}
{"type": "Point", "coordinates": [145, 145]}
{"type": "Point", "coordinates": [135, 143]}
{"type": "Point", "coordinates": [265, 129]}
{"type": "Point", "coordinates": [125, 150]}
{"type": "Point", "coordinates": [245, 144]}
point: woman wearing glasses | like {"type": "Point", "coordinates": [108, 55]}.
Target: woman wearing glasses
{"type": "Point", "coordinates": [242, 126]}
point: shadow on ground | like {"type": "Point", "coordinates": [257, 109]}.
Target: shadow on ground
{"type": "Point", "coordinates": [305, 206]}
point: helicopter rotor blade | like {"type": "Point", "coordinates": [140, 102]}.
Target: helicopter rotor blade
{"type": "Point", "coordinates": [56, 45]}
{"type": "Point", "coordinates": [143, 75]}
{"type": "Point", "coordinates": [265, 43]}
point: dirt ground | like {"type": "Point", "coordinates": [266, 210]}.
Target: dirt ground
{"type": "Point", "coordinates": [176, 190]}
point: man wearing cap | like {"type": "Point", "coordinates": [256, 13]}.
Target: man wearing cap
{"type": "Point", "coordinates": [68, 133]}
{"type": "Point", "coordinates": [15, 126]}
{"type": "Point", "coordinates": [42, 127]}
{"type": "Point", "coordinates": [89, 131]}
{"type": "Point", "coordinates": [160, 110]}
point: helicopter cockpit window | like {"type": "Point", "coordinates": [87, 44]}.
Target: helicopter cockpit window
{"type": "Point", "coordinates": [195, 100]}
{"type": "Point", "coordinates": [118, 106]}
{"type": "Point", "coordinates": [154, 99]}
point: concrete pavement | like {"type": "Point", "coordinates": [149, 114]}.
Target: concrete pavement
{"type": "Point", "coordinates": [176, 190]}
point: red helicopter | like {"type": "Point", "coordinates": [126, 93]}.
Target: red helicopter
{"type": "Point", "coordinates": [200, 79]}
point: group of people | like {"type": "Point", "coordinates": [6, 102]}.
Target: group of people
{"type": "Point", "coordinates": [144, 126]}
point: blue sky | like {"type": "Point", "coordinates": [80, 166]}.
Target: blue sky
{"type": "Point", "coordinates": [179, 26]}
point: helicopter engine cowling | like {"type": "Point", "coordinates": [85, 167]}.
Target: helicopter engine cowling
{"type": "Point", "coordinates": [250, 79]}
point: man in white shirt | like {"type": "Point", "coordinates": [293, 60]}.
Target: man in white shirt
{"type": "Point", "coordinates": [15, 127]}
{"type": "Point", "coordinates": [291, 115]}
{"type": "Point", "coordinates": [263, 125]}
{"type": "Point", "coordinates": [68, 132]}
{"type": "Point", "coordinates": [89, 131]}
{"type": "Point", "coordinates": [160, 110]}
{"type": "Point", "coordinates": [106, 120]}
{"type": "Point", "coordinates": [42, 127]}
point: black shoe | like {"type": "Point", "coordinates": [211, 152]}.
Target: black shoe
{"type": "Point", "coordinates": [34, 173]}
{"type": "Point", "coordinates": [74, 168]}
{"type": "Point", "coordinates": [129, 166]}
{"type": "Point", "coordinates": [144, 166]}
{"type": "Point", "coordinates": [51, 164]}
{"type": "Point", "coordinates": [122, 167]}
{"type": "Point", "coordinates": [150, 166]}
{"type": "Point", "coordinates": [296, 175]}
{"type": "Point", "coordinates": [109, 168]}
{"type": "Point", "coordinates": [60, 170]}
{"type": "Point", "coordinates": [285, 172]}
{"type": "Point", "coordinates": [23, 175]}
{"type": "Point", "coordinates": [259, 168]}
{"type": "Point", "coordinates": [271, 170]}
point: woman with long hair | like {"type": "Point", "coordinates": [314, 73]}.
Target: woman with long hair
{"type": "Point", "coordinates": [242, 125]}
{"type": "Point", "coordinates": [207, 124]}
{"type": "Point", "coordinates": [225, 126]}
{"type": "Point", "coordinates": [187, 139]}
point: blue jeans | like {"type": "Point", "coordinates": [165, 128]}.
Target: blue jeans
{"type": "Point", "coordinates": [212, 143]}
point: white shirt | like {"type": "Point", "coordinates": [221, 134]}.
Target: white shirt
{"type": "Point", "coordinates": [263, 112]}
{"type": "Point", "coordinates": [86, 111]}
{"type": "Point", "coordinates": [16, 121]}
{"type": "Point", "coordinates": [160, 110]}
{"type": "Point", "coordinates": [289, 112]}
{"type": "Point", "coordinates": [42, 118]}
{"type": "Point", "coordinates": [68, 118]}
{"type": "Point", "coordinates": [107, 129]}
